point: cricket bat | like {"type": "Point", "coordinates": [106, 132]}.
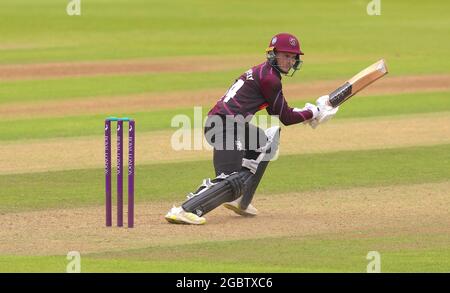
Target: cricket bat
{"type": "Point", "coordinates": [357, 83]}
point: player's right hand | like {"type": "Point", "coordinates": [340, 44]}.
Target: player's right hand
{"type": "Point", "coordinates": [323, 101]}
{"type": "Point", "coordinates": [313, 108]}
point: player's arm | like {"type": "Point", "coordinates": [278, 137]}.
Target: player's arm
{"type": "Point", "coordinates": [277, 105]}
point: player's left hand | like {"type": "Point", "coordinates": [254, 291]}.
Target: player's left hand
{"type": "Point", "coordinates": [326, 112]}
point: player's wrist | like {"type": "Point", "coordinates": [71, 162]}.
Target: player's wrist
{"type": "Point", "coordinates": [313, 109]}
{"type": "Point", "coordinates": [310, 108]}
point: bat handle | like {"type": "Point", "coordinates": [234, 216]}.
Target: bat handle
{"type": "Point", "coordinates": [341, 94]}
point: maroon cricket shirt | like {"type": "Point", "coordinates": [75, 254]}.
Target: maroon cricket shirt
{"type": "Point", "coordinates": [259, 88]}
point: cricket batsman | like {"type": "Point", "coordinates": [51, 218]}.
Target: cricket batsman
{"type": "Point", "coordinates": [241, 150]}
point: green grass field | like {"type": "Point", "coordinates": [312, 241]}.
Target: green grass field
{"type": "Point", "coordinates": [320, 210]}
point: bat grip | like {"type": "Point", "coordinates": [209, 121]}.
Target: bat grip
{"type": "Point", "coordinates": [341, 94]}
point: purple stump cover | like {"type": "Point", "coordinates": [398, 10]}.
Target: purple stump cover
{"type": "Point", "coordinates": [131, 141]}
{"type": "Point", "coordinates": [108, 173]}
{"type": "Point", "coordinates": [119, 173]}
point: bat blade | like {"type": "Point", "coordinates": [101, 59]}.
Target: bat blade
{"type": "Point", "coordinates": [358, 82]}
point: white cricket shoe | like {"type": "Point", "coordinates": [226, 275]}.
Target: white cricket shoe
{"type": "Point", "coordinates": [234, 205]}
{"type": "Point", "coordinates": [179, 216]}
